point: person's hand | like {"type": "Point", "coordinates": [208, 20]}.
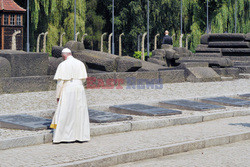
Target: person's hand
{"type": "Point", "coordinates": [57, 100]}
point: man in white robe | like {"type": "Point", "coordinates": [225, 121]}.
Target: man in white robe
{"type": "Point", "coordinates": [71, 119]}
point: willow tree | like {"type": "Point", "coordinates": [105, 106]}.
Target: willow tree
{"type": "Point", "coordinates": [55, 16]}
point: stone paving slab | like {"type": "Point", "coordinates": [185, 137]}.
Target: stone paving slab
{"type": "Point", "coordinates": [228, 101]}
{"type": "Point", "coordinates": [24, 122]}
{"type": "Point", "coordinates": [104, 117]}
{"type": "Point", "coordinates": [130, 146]}
{"type": "Point", "coordinates": [189, 105]}
{"type": "Point", "coordinates": [141, 109]}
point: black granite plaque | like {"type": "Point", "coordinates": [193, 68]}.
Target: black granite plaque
{"type": "Point", "coordinates": [245, 96]}
{"type": "Point", "coordinates": [24, 122]}
{"type": "Point", "coordinates": [105, 117]}
{"type": "Point", "coordinates": [228, 101]}
{"type": "Point", "coordinates": [141, 109]}
{"type": "Point", "coordinates": [189, 105]}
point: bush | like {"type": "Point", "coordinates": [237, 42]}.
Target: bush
{"type": "Point", "coordinates": [138, 54]}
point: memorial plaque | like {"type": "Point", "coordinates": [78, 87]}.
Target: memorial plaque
{"type": "Point", "coordinates": [228, 101]}
{"type": "Point", "coordinates": [245, 96]}
{"type": "Point", "coordinates": [24, 122]}
{"type": "Point", "coordinates": [140, 109]}
{"type": "Point", "coordinates": [104, 117]}
{"type": "Point", "coordinates": [189, 105]}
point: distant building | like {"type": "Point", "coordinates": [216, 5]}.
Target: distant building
{"type": "Point", "coordinates": [11, 19]}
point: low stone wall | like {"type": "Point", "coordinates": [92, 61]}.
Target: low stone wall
{"type": "Point", "coordinates": [111, 80]}
{"type": "Point", "coordinates": [26, 64]}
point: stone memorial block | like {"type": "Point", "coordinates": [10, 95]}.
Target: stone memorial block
{"type": "Point", "coordinates": [127, 64]}
{"type": "Point", "coordinates": [244, 69]}
{"type": "Point", "coordinates": [226, 37]}
{"type": "Point", "coordinates": [208, 54]}
{"type": "Point", "coordinates": [53, 64]}
{"type": "Point", "coordinates": [204, 39]}
{"type": "Point", "coordinates": [193, 64]}
{"type": "Point", "coordinates": [166, 46]}
{"type": "Point", "coordinates": [212, 61]}
{"type": "Point", "coordinates": [97, 60]}
{"type": "Point", "coordinates": [201, 74]}
{"type": "Point", "coordinates": [26, 64]}
{"type": "Point", "coordinates": [105, 117]}
{"type": "Point", "coordinates": [141, 109]}
{"type": "Point", "coordinates": [205, 49]}
{"type": "Point", "coordinates": [189, 105]}
{"type": "Point", "coordinates": [25, 84]}
{"type": "Point", "coordinates": [74, 46]}
{"type": "Point", "coordinates": [247, 38]}
{"type": "Point", "coordinates": [24, 122]}
{"type": "Point", "coordinates": [147, 66]}
{"type": "Point", "coordinates": [227, 72]}
{"type": "Point", "coordinates": [172, 75]}
{"type": "Point", "coordinates": [157, 61]}
{"type": "Point", "coordinates": [235, 51]}
{"type": "Point", "coordinates": [228, 101]}
{"type": "Point", "coordinates": [57, 51]}
{"type": "Point", "coordinates": [229, 44]}
{"type": "Point", "coordinates": [5, 68]}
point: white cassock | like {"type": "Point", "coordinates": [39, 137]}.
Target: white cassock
{"type": "Point", "coordinates": [71, 119]}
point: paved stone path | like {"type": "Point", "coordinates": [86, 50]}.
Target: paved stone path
{"type": "Point", "coordinates": [231, 155]}
{"type": "Point", "coordinates": [49, 154]}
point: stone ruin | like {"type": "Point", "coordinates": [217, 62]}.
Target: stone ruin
{"type": "Point", "coordinates": [219, 56]}
{"type": "Point", "coordinates": [233, 47]}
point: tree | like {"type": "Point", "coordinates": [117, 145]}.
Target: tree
{"type": "Point", "coordinates": [54, 16]}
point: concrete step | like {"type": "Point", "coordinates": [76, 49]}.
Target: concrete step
{"type": "Point", "coordinates": [226, 44]}
{"type": "Point", "coordinates": [230, 155]}
{"type": "Point", "coordinates": [244, 75]}
{"type": "Point", "coordinates": [244, 69]}
{"type": "Point", "coordinates": [114, 149]}
{"type": "Point", "coordinates": [227, 78]}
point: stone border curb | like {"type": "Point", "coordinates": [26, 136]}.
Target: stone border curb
{"type": "Point", "coordinates": [148, 153]}
{"type": "Point", "coordinates": [124, 127]}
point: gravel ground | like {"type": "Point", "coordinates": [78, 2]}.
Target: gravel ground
{"type": "Point", "coordinates": [52, 154]}
{"type": "Point", "coordinates": [231, 155]}
{"type": "Point", "coordinates": [10, 134]}
{"type": "Point", "coordinates": [43, 103]}
{"type": "Point", "coordinates": [35, 101]}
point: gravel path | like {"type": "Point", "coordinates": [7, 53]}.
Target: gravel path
{"type": "Point", "coordinates": [231, 155]}
{"type": "Point", "coordinates": [35, 101]}
{"type": "Point", "coordinates": [49, 154]}
{"type": "Point", "coordinates": [43, 103]}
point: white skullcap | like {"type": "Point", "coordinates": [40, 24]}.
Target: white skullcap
{"type": "Point", "coordinates": [66, 50]}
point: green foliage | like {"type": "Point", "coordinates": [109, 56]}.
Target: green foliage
{"type": "Point", "coordinates": [56, 17]}
{"type": "Point", "coordinates": [138, 54]}
{"type": "Point", "coordinates": [94, 17]}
